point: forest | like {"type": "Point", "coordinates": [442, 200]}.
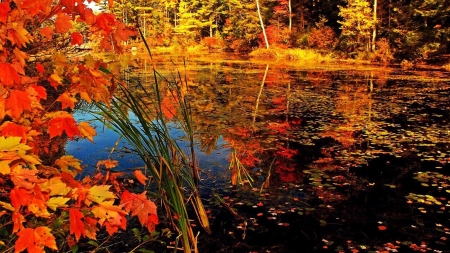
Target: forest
{"type": "Point", "coordinates": [378, 30]}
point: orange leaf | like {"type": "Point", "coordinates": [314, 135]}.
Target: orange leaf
{"type": "Point", "coordinates": [34, 240]}
{"type": "Point", "coordinates": [76, 224]}
{"type": "Point", "coordinates": [87, 131]}
{"type": "Point", "coordinates": [21, 56]}
{"type": "Point", "coordinates": [62, 23]}
{"type": "Point", "coordinates": [141, 207]}
{"type": "Point", "coordinates": [47, 32]}
{"type": "Point", "coordinates": [4, 9]}
{"type": "Point", "coordinates": [140, 176]}
{"type": "Point", "coordinates": [55, 80]}
{"type": "Point", "coordinates": [17, 219]}
{"type": "Point", "coordinates": [19, 197]}
{"type": "Point", "coordinates": [63, 123]}
{"type": "Point", "coordinates": [67, 100]}
{"type": "Point", "coordinates": [19, 35]}
{"type": "Point", "coordinates": [77, 38]}
{"type": "Point", "coordinates": [8, 75]}
{"type": "Point", "coordinates": [24, 177]}
{"type": "Point", "coordinates": [108, 164]}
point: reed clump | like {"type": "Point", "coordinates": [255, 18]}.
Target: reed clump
{"type": "Point", "coordinates": [174, 174]}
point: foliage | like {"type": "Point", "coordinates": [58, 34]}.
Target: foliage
{"type": "Point", "coordinates": [276, 36]}
{"type": "Point", "coordinates": [383, 52]}
{"type": "Point", "coordinates": [322, 38]}
{"type": "Point", "coordinates": [357, 24]}
{"type": "Point", "coordinates": [43, 77]}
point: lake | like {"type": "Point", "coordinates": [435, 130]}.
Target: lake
{"type": "Point", "coordinates": [337, 158]}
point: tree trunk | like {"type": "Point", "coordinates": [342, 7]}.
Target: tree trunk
{"type": "Point", "coordinates": [262, 24]}
{"type": "Point", "coordinates": [374, 35]}
{"type": "Point", "coordinates": [290, 16]}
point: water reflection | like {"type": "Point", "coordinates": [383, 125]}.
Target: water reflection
{"type": "Point", "coordinates": [344, 142]}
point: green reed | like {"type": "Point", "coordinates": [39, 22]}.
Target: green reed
{"type": "Point", "coordinates": [174, 174]}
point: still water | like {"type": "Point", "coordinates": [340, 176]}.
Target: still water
{"type": "Point", "coordinates": [339, 158]}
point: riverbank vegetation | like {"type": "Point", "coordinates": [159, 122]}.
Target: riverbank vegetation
{"type": "Point", "coordinates": [373, 30]}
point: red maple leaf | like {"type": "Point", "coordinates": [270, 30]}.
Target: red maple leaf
{"type": "Point", "coordinates": [61, 124]}
{"type": "Point", "coordinates": [34, 240]}
{"type": "Point", "coordinates": [62, 23]}
{"type": "Point", "coordinates": [12, 129]}
{"type": "Point", "coordinates": [8, 75]}
{"type": "Point", "coordinates": [76, 224]}
{"type": "Point", "coordinates": [40, 68]}
{"type": "Point", "coordinates": [47, 32]}
{"type": "Point", "coordinates": [41, 92]}
{"type": "Point", "coordinates": [104, 21]}
{"type": "Point", "coordinates": [17, 219]}
{"type": "Point", "coordinates": [18, 101]}
{"type": "Point", "coordinates": [4, 9]}
{"type": "Point", "coordinates": [77, 38]}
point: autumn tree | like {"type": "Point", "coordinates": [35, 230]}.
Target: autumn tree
{"type": "Point", "coordinates": [41, 59]}
{"type": "Point", "coordinates": [417, 29]}
{"type": "Point", "coordinates": [357, 24]}
{"type": "Point", "coordinates": [242, 26]}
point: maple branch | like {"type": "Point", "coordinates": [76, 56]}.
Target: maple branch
{"type": "Point", "coordinates": [101, 244]}
{"type": "Point", "coordinates": [141, 244]}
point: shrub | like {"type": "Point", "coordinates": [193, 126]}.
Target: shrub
{"type": "Point", "coordinates": [383, 52]}
{"type": "Point", "coordinates": [322, 38]}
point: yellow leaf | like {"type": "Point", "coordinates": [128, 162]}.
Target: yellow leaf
{"type": "Point", "coordinates": [55, 80]}
{"type": "Point", "coordinates": [7, 206]}
{"type": "Point", "coordinates": [84, 95]}
{"type": "Point", "coordinates": [86, 130]}
{"type": "Point", "coordinates": [108, 211]}
{"type": "Point", "coordinates": [12, 144]}
{"type": "Point", "coordinates": [60, 60]}
{"type": "Point", "coordinates": [31, 159]}
{"type": "Point", "coordinates": [100, 193]}
{"type": "Point", "coordinates": [55, 186]}
{"type": "Point", "coordinates": [69, 161]}
{"type": "Point", "coordinates": [4, 167]}
{"type": "Point", "coordinates": [11, 149]}
{"type": "Point", "coordinates": [55, 202]}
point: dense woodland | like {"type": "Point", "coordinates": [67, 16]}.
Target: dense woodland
{"type": "Point", "coordinates": [364, 29]}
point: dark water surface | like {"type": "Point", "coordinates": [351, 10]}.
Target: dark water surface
{"type": "Point", "coordinates": [341, 158]}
